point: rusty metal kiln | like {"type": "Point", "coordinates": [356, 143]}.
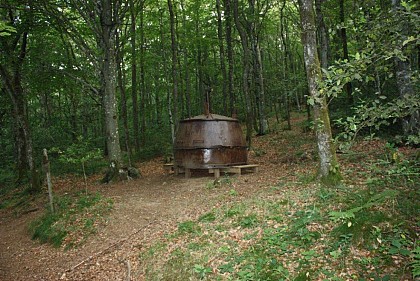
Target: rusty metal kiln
{"type": "Point", "coordinates": [209, 141]}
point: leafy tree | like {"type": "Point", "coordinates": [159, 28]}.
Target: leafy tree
{"type": "Point", "coordinates": [14, 42]}
{"type": "Point", "coordinates": [80, 153]}
{"type": "Point", "coordinates": [328, 169]}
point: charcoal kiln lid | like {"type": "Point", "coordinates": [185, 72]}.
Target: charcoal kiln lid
{"type": "Point", "coordinates": [210, 117]}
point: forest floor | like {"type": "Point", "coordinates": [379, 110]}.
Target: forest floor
{"type": "Point", "coordinates": [148, 209]}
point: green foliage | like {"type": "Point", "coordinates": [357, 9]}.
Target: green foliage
{"type": "Point", "coordinates": [248, 221]}
{"type": "Point", "coordinates": [157, 143]}
{"type": "Point", "coordinates": [416, 262]}
{"type": "Point", "coordinates": [189, 227]}
{"type": "Point", "coordinates": [394, 169]}
{"type": "Point", "coordinates": [74, 220]}
{"type": "Point", "coordinates": [79, 152]}
{"type": "Point", "coordinates": [387, 35]}
{"type": "Point", "coordinates": [5, 29]}
{"type": "Point", "coordinates": [375, 200]}
{"type": "Point", "coordinates": [208, 217]}
{"type": "Point", "coordinates": [235, 210]}
{"type": "Point", "coordinates": [201, 270]}
{"type": "Point", "coordinates": [373, 116]}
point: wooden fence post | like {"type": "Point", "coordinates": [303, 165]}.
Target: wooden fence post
{"type": "Point", "coordinates": [46, 166]}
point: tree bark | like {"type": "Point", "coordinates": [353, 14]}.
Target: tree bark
{"type": "Point", "coordinates": [283, 34]}
{"type": "Point", "coordinates": [13, 57]}
{"type": "Point", "coordinates": [124, 115]}
{"type": "Point", "coordinates": [46, 166]}
{"type": "Point", "coordinates": [143, 94]}
{"type": "Point", "coordinates": [222, 56]}
{"type": "Point", "coordinates": [328, 165]}
{"type": "Point", "coordinates": [174, 49]}
{"type": "Point", "coordinates": [410, 124]}
{"type": "Point", "coordinates": [246, 61]}
{"type": "Point", "coordinates": [134, 95]}
{"type": "Point", "coordinates": [253, 33]}
{"type": "Point", "coordinates": [262, 120]}
{"type": "Point", "coordinates": [229, 49]}
{"type": "Point", "coordinates": [108, 67]}
{"type": "Point", "coordinates": [343, 33]}
{"type": "Point", "coordinates": [322, 35]}
{"type": "Point", "coordinates": [186, 64]}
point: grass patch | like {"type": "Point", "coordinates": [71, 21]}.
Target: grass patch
{"type": "Point", "coordinates": [75, 219]}
{"type": "Point", "coordinates": [266, 239]}
{"type": "Point", "coordinates": [366, 228]}
{"type": "Point", "coordinates": [189, 227]}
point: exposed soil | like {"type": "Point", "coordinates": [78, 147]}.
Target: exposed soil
{"type": "Point", "coordinates": [144, 210]}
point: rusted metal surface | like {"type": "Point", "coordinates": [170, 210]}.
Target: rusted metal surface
{"type": "Point", "coordinates": [208, 141]}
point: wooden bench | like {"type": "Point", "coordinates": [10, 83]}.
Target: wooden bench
{"type": "Point", "coordinates": [170, 167]}
{"type": "Point", "coordinates": [243, 168]}
{"type": "Point", "coordinates": [216, 170]}
{"type": "Point", "coordinates": [234, 169]}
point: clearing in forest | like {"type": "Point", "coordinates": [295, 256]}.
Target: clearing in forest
{"type": "Point", "coordinates": [277, 224]}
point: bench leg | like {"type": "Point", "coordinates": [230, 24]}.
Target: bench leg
{"type": "Point", "coordinates": [216, 173]}
{"type": "Point", "coordinates": [187, 173]}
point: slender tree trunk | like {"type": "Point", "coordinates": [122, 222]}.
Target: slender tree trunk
{"type": "Point", "coordinates": [262, 120]}
{"type": "Point", "coordinates": [222, 56]}
{"type": "Point", "coordinates": [253, 33]}
{"type": "Point", "coordinates": [410, 124]}
{"type": "Point", "coordinates": [174, 49]}
{"type": "Point", "coordinates": [11, 75]}
{"type": "Point", "coordinates": [246, 60]}
{"type": "Point", "coordinates": [186, 64]}
{"type": "Point", "coordinates": [46, 166]}
{"type": "Point", "coordinates": [322, 35]}
{"type": "Point", "coordinates": [165, 72]}
{"type": "Point", "coordinates": [142, 76]}
{"type": "Point", "coordinates": [124, 115]}
{"type": "Point", "coordinates": [229, 49]}
{"type": "Point", "coordinates": [283, 34]}
{"type": "Point", "coordinates": [343, 33]}
{"type": "Point", "coordinates": [328, 169]}
{"type": "Point", "coordinates": [134, 96]}
{"type": "Point", "coordinates": [108, 66]}
{"type": "Point", "coordinates": [73, 116]}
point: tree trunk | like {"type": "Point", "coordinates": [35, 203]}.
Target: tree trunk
{"type": "Point", "coordinates": [410, 124]}
{"type": "Point", "coordinates": [343, 33]}
{"type": "Point", "coordinates": [120, 67]}
{"type": "Point", "coordinates": [11, 75]}
{"type": "Point", "coordinates": [222, 57]}
{"type": "Point", "coordinates": [262, 120]}
{"type": "Point", "coordinates": [108, 67]}
{"type": "Point", "coordinates": [246, 60]}
{"type": "Point", "coordinates": [134, 96]}
{"type": "Point", "coordinates": [322, 35]}
{"type": "Point", "coordinates": [186, 64]}
{"type": "Point", "coordinates": [142, 76]}
{"type": "Point", "coordinates": [174, 49]}
{"type": "Point", "coordinates": [46, 167]}
{"type": "Point", "coordinates": [229, 47]}
{"type": "Point", "coordinates": [285, 65]}
{"type": "Point", "coordinates": [328, 169]}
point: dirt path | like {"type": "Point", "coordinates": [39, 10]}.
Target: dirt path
{"type": "Point", "coordinates": [144, 210]}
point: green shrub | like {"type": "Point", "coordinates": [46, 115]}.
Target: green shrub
{"type": "Point", "coordinates": [74, 219]}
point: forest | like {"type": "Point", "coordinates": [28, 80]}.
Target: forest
{"type": "Point", "coordinates": [327, 92]}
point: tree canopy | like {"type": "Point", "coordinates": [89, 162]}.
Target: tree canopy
{"type": "Point", "coordinates": [122, 74]}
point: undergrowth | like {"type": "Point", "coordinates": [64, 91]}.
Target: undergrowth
{"type": "Point", "coordinates": [365, 229]}
{"type": "Point", "coordinates": [75, 218]}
